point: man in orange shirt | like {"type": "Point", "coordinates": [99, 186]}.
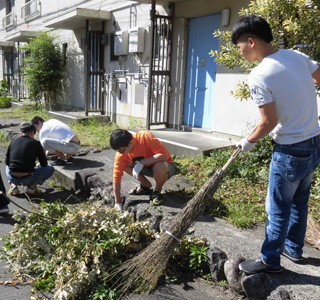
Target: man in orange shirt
{"type": "Point", "coordinates": [140, 155]}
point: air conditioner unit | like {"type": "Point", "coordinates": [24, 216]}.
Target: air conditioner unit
{"type": "Point", "coordinates": [121, 43]}
{"type": "Point", "coordinates": [136, 40]}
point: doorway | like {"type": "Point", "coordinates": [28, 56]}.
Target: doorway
{"type": "Point", "coordinates": [201, 72]}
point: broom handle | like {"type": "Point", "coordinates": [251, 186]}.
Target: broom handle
{"type": "Point", "coordinates": [235, 154]}
{"type": "Point", "coordinates": [231, 159]}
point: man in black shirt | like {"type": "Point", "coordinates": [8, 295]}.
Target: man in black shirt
{"type": "Point", "coordinates": [21, 159]}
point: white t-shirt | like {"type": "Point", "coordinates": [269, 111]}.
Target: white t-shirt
{"type": "Point", "coordinates": [285, 78]}
{"type": "Point", "coordinates": [56, 129]}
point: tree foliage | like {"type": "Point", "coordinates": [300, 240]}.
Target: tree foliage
{"type": "Point", "coordinates": [295, 24]}
{"type": "Point", "coordinates": [44, 69]}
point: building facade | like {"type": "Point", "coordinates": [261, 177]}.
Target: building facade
{"type": "Point", "coordinates": [143, 63]}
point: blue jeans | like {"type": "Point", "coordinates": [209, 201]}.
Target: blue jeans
{"type": "Point", "coordinates": [39, 176]}
{"type": "Point", "coordinates": [291, 171]}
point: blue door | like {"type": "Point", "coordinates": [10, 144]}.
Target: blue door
{"type": "Point", "coordinates": [201, 72]}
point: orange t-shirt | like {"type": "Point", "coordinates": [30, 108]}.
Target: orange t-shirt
{"type": "Point", "coordinates": [145, 145]}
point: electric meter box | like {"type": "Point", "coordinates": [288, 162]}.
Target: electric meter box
{"type": "Point", "coordinates": [136, 40]}
{"type": "Point", "coordinates": [121, 43]}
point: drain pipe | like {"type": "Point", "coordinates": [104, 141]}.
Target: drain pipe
{"type": "Point", "coordinates": [152, 14]}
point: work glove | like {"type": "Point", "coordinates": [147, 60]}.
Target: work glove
{"type": "Point", "coordinates": [245, 145]}
{"type": "Point", "coordinates": [137, 169]}
{"type": "Point", "coordinates": [118, 206]}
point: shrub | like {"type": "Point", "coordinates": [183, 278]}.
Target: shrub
{"type": "Point", "coordinates": [5, 101]}
{"type": "Point", "coordinates": [4, 98]}
{"type": "Point", "coordinates": [44, 69]}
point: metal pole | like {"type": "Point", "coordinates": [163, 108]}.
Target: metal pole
{"type": "Point", "coordinates": [102, 70]}
{"type": "Point", "coordinates": [152, 12]}
{"type": "Point", "coordinates": [87, 61]}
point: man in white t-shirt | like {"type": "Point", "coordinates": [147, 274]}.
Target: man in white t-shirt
{"type": "Point", "coordinates": [282, 86]}
{"type": "Point", "coordinates": [58, 138]}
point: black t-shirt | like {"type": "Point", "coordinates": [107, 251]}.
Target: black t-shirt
{"type": "Point", "coordinates": [22, 154]}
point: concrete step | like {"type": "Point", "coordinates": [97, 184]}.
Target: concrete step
{"type": "Point", "coordinates": [70, 116]}
{"type": "Point", "coordinates": [191, 143]}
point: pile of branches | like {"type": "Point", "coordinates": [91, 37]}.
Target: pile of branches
{"type": "Point", "coordinates": [71, 252]}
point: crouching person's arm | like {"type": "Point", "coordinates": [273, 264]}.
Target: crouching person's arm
{"type": "Point", "coordinates": [117, 195]}
{"type": "Point", "coordinates": [153, 159]}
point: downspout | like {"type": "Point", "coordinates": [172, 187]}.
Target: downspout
{"type": "Point", "coordinates": [103, 110]}
{"type": "Point", "coordinates": [87, 69]}
{"type": "Point", "coordinates": [152, 14]}
{"type": "Point", "coordinates": [19, 74]}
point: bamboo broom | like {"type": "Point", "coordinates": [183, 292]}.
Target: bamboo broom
{"type": "Point", "coordinates": [143, 270]}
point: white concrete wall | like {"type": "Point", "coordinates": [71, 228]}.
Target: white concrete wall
{"type": "Point", "coordinates": [74, 84]}
{"type": "Point", "coordinates": [135, 67]}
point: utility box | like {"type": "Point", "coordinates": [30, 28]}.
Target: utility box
{"type": "Point", "coordinates": [139, 93]}
{"type": "Point", "coordinates": [121, 43]}
{"type": "Point", "coordinates": [136, 40]}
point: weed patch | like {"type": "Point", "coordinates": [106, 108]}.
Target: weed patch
{"type": "Point", "coordinates": [241, 197]}
{"type": "Point", "coordinates": [94, 133]}
{"type": "Point", "coordinates": [4, 138]}
{"type": "Point", "coordinates": [26, 112]}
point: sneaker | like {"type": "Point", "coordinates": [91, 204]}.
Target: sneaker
{"type": "Point", "coordinates": [13, 190]}
{"type": "Point", "coordinates": [257, 266]}
{"type": "Point", "coordinates": [292, 257]}
{"type": "Point", "coordinates": [4, 209]}
{"type": "Point", "coordinates": [33, 191]}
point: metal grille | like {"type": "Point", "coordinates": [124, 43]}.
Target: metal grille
{"type": "Point", "coordinates": [160, 70]}
{"type": "Point", "coordinates": [22, 90]}
{"type": "Point", "coordinates": [95, 72]}
{"type": "Point", "coordinates": [8, 70]}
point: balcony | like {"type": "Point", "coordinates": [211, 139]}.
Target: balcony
{"type": "Point", "coordinates": [77, 18]}
{"type": "Point", "coordinates": [30, 10]}
{"type": "Point", "coordinates": [9, 20]}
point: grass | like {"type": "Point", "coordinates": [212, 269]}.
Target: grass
{"type": "Point", "coordinates": [94, 133]}
{"type": "Point", "coordinates": [4, 138]}
{"type": "Point", "coordinates": [26, 112]}
{"type": "Point", "coordinates": [240, 198]}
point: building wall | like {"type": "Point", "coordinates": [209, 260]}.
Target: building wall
{"type": "Point", "coordinates": [127, 75]}
{"type": "Point", "coordinates": [230, 116]}
{"type": "Point", "coordinates": [75, 39]}
{"type": "Point", "coordinates": [126, 78]}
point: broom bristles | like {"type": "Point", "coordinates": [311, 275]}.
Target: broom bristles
{"type": "Point", "coordinates": [143, 271]}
